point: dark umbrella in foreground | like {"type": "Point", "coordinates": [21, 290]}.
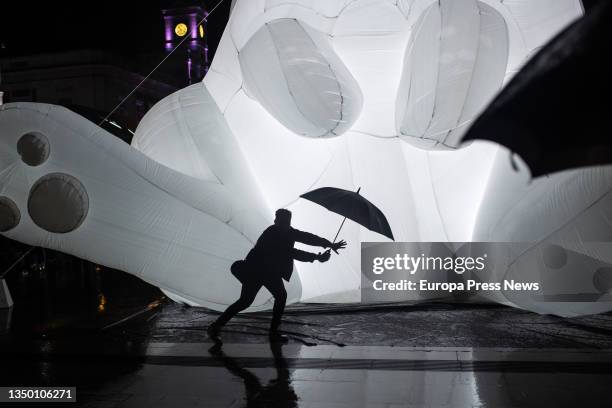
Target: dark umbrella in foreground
{"type": "Point", "coordinates": [351, 205]}
{"type": "Point", "coordinates": [555, 112]}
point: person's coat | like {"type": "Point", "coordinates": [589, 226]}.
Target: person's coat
{"type": "Point", "coordinates": [273, 254]}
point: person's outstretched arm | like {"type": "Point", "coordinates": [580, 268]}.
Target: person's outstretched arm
{"type": "Point", "coordinates": [304, 256]}
{"type": "Point", "coordinates": [315, 240]}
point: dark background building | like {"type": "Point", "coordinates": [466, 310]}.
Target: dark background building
{"type": "Point", "coordinates": [161, 46]}
{"type": "Point", "coordinates": [90, 82]}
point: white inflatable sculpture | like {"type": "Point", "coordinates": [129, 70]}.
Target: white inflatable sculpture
{"type": "Point", "coordinates": [301, 94]}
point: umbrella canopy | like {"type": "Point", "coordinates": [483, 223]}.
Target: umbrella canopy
{"type": "Point", "coordinates": [555, 112]}
{"type": "Point", "coordinates": [353, 206]}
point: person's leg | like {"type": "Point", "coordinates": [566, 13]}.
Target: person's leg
{"type": "Point", "coordinates": [247, 296]}
{"type": "Point", "coordinates": [277, 289]}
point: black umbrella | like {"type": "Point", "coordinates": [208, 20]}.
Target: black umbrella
{"type": "Point", "coordinates": [555, 112]}
{"type": "Point", "coordinates": [351, 205]}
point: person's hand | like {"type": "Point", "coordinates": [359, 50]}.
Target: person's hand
{"type": "Point", "coordinates": [323, 257]}
{"type": "Point", "coordinates": [338, 245]}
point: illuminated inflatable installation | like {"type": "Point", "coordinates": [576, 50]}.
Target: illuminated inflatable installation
{"type": "Point", "coordinates": [304, 94]}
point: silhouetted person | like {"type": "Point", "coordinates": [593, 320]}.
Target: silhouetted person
{"type": "Point", "coordinates": [268, 263]}
{"type": "Point", "coordinates": [277, 393]}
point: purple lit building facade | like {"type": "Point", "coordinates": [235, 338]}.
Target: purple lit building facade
{"type": "Point", "coordinates": [185, 28]}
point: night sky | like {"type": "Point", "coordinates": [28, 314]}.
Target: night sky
{"type": "Point", "coordinates": [124, 26]}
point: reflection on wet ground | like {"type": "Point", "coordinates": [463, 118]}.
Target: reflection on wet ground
{"type": "Point", "coordinates": [139, 349]}
{"type": "Point", "coordinates": [6, 317]}
{"type": "Point", "coordinates": [277, 392]}
{"type": "Point", "coordinates": [264, 375]}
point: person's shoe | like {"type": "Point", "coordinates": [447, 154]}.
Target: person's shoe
{"type": "Point", "coordinates": [276, 337]}
{"type": "Point", "coordinates": [213, 332]}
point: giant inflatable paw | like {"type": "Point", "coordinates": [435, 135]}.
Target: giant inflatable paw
{"type": "Point", "coordinates": [68, 185]}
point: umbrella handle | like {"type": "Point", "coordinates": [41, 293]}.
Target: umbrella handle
{"type": "Point", "coordinates": [341, 225]}
{"type": "Point", "coordinates": [337, 233]}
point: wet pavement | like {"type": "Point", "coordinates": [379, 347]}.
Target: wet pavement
{"type": "Point", "coordinates": [425, 324]}
{"type": "Point", "coordinates": [157, 354]}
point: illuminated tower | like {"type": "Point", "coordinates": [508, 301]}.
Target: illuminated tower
{"type": "Point", "coordinates": [184, 23]}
